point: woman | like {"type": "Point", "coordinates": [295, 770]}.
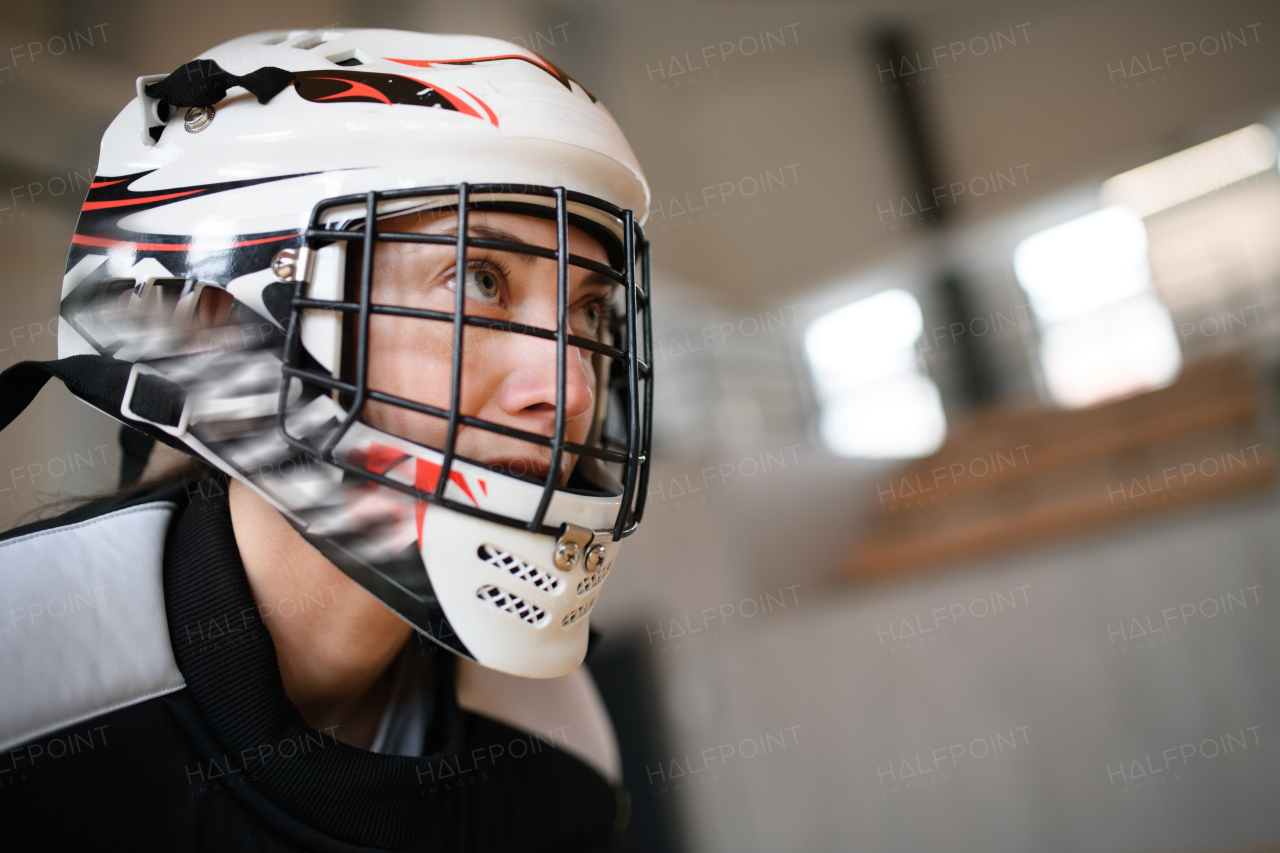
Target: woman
{"type": "Point", "coordinates": [407, 442]}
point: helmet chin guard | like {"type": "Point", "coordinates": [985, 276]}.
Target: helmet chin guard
{"type": "Point", "coordinates": [244, 307]}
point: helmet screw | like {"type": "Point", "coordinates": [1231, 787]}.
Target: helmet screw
{"type": "Point", "coordinates": [284, 264]}
{"type": "Point", "coordinates": [567, 555]}
{"type": "Point", "coordinates": [570, 544]}
{"type": "Point", "coordinates": [198, 118]}
{"type": "Point", "coordinates": [595, 557]}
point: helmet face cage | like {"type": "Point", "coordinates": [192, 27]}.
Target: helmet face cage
{"type": "Point", "coordinates": [628, 381]}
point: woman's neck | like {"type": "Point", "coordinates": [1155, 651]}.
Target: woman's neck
{"type": "Point", "coordinates": [334, 641]}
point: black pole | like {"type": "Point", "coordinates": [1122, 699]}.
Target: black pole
{"type": "Point", "coordinates": [976, 383]}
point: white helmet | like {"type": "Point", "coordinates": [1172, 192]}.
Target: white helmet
{"type": "Point", "coordinates": [269, 200]}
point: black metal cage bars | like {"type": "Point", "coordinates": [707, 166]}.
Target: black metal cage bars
{"type": "Point", "coordinates": [635, 355]}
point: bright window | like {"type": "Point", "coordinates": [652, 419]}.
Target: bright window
{"type": "Point", "coordinates": [875, 399]}
{"type": "Point", "coordinates": [1103, 332]}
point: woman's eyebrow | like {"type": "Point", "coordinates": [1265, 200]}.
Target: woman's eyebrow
{"type": "Point", "coordinates": [592, 279]}
{"type": "Point", "coordinates": [595, 279]}
{"type": "Point", "coordinates": [486, 233]}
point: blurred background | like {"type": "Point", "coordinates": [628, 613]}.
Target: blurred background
{"type": "Point", "coordinates": [962, 530]}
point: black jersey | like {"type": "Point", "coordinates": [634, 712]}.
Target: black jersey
{"type": "Point", "coordinates": [141, 707]}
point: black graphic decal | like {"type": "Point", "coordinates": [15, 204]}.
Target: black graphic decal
{"type": "Point", "coordinates": [110, 199]}
{"type": "Point", "coordinates": [327, 87]}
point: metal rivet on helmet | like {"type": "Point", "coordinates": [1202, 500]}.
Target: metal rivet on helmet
{"type": "Point", "coordinates": [198, 118]}
{"type": "Point", "coordinates": [595, 557]}
{"type": "Point", "coordinates": [284, 264]}
{"type": "Point", "coordinates": [567, 555]}
{"type": "Point", "coordinates": [569, 547]}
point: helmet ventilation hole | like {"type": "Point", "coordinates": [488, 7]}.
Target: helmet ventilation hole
{"type": "Point", "coordinates": [518, 568]}
{"type": "Point", "coordinates": [314, 40]}
{"type": "Point", "coordinates": [578, 614]}
{"type": "Point", "coordinates": [593, 580]}
{"type": "Point", "coordinates": [513, 604]}
{"type": "Point", "coordinates": [350, 58]}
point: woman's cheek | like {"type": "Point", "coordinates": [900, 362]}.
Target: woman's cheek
{"type": "Point", "coordinates": [407, 359]}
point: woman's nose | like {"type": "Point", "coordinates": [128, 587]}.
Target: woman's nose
{"type": "Point", "coordinates": [529, 389]}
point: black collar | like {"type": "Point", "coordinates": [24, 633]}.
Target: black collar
{"type": "Point", "coordinates": [481, 785]}
{"type": "Point", "coordinates": [228, 659]}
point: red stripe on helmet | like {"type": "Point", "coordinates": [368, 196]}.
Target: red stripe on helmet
{"type": "Point", "coordinates": [103, 243]}
{"type": "Point", "coordinates": [357, 90]}
{"type": "Point", "coordinates": [126, 202]}
{"type": "Point", "coordinates": [426, 63]}
{"type": "Point", "coordinates": [493, 119]}
{"type": "Point", "coordinates": [459, 105]}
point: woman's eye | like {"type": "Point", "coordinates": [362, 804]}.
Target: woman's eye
{"type": "Point", "coordinates": [483, 285]}
{"type": "Point", "coordinates": [590, 320]}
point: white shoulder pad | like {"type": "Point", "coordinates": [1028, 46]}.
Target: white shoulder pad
{"type": "Point", "coordinates": [82, 622]}
{"type": "Point", "coordinates": [567, 711]}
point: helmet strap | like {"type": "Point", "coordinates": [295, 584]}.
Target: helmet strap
{"type": "Point", "coordinates": [203, 83]}
{"type": "Point", "coordinates": [100, 381]}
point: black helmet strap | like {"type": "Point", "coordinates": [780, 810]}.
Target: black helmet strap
{"type": "Point", "coordinates": [203, 83]}
{"type": "Point", "coordinates": [100, 381]}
